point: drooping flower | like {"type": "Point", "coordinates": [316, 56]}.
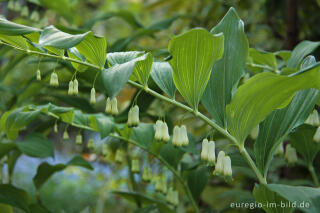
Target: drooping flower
{"type": "Point", "coordinates": [65, 135]}
{"type": "Point", "coordinates": [93, 96]}
{"type": "Point", "coordinates": [204, 150]}
{"type": "Point", "coordinates": [291, 155]}
{"type": "Point", "coordinates": [176, 138]}
{"type": "Point", "coordinates": [75, 87]}
{"type": "Point", "coordinates": [184, 136]}
{"type": "Point", "coordinates": [54, 80]}
{"type": "Point", "coordinates": [172, 197]}
{"type": "Point", "coordinates": [279, 150]}
{"type": "Point", "coordinates": [38, 75]}
{"type": "Point", "coordinates": [158, 132]}
{"type": "Point", "coordinates": [219, 169]}
{"type": "Point", "coordinates": [133, 116]}
{"type": "Point", "coordinates": [108, 106]}
{"type": "Point", "coordinates": [70, 89]}
{"type": "Point", "coordinates": [25, 11]}
{"type": "Point", "coordinates": [211, 153]}
{"type": "Point", "coordinates": [227, 170]}
{"type": "Point", "coordinates": [114, 106]}
{"type": "Point", "coordinates": [254, 132]}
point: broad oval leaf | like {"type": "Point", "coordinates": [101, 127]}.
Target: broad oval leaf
{"type": "Point", "coordinates": [14, 196]}
{"type": "Point", "coordinates": [303, 49]}
{"type": "Point", "coordinates": [262, 94]}
{"type": "Point", "coordinates": [227, 71]}
{"type": "Point", "coordinates": [122, 57]}
{"type": "Point", "coordinates": [193, 55]}
{"type": "Point", "coordinates": [11, 28]}
{"type": "Point", "coordinates": [161, 73]}
{"type": "Point", "coordinates": [143, 69]}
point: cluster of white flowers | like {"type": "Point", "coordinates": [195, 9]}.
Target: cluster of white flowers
{"type": "Point", "coordinates": [180, 136]}
{"type": "Point", "coordinates": [161, 131]}
{"type": "Point", "coordinates": [54, 80]}
{"type": "Point", "coordinates": [223, 166]}
{"type": "Point", "coordinates": [208, 151]}
{"type": "Point", "coordinates": [112, 106]}
{"type": "Point", "coordinates": [291, 155]}
{"type": "Point", "coordinates": [73, 87]}
{"type": "Point", "coordinates": [133, 116]}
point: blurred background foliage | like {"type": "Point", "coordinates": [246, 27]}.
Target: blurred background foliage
{"type": "Point", "coordinates": [270, 25]}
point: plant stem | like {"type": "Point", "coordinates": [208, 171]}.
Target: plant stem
{"type": "Point", "coordinates": [242, 149]}
{"type": "Point", "coordinates": [314, 175]}
{"type": "Point", "coordinates": [164, 162]}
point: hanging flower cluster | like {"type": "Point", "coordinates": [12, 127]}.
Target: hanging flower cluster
{"type": "Point", "coordinates": [291, 155]}
{"type": "Point", "coordinates": [313, 119]}
{"type": "Point", "coordinates": [161, 185]}
{"type": "Point", "coordinates": [38, 75]}
{"type": "Point", "coordinates": [54, 79]}
{"type": "Point", "coordinates": [208, 151]}
{"type": "Point", "coordinates": [180, 136]}
{"type": "Point", "coordinates": [112, 106]}
{"type": "Point", "coordinates": [73, 87]}
{"type": "Point", "coordinates": [161, 131]}
{"type": "Point", "coordinates": [133, 116]}
{"type": "Point", "coordinates": [172, 196]}
{"type": "Point", "coordinates": [223, 166]}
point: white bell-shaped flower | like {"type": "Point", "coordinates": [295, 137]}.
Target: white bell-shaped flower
{"type": "Point", "coordinates": [158, 132]}
{"type": "Point", "coordinates": [316, 136]}
{"type": "Point", "coordinates": [279, 150]}
{"type": "Point", "coordinates": [219, 169]}
{"type": "Point", "coordinates": [227, 170]}
{"type": "Point", "coordinates": [75, 87]}
{"type": "Point", "coordinates": [65, 135]}
{"type": "Point", "coordinates": [108, 106]}
{"type": "Point", "coordinates": [53, 77]}
{"type": "Point", "coordinates": [147, 174]}
{"type": "Point", "coordinates": [176, 135]}
{"type": "Point", "coordinates": [93, 96]}
{"type": "Point", "coordinates": [204, 150]}
{"type": "Point", "coordinates": [70, 89]}
{"type": "Point", "coordinates": [133, 116]}
{"type": "Point", "coordinates": [38, 75]}
{"type": "Point", "coordinates": [315, 117]}
{"type": "Point", "coordinates": [165, 132]}
{"type": "Point", "coordinates": [211, 153]}
{"type": "Point", "coordinates": [184, 136]}
{"type": "Point", "coordinates": [291, 155]}
{"type": "Point", "coordinates": [114, 106]}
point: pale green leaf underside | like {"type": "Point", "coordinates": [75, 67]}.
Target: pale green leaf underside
{"type": "Point", "coordinates": [262, 94]}
{"type": "Point", "coordinates": [193, 55]}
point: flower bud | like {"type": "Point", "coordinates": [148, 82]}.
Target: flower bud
{"type": "Point", "coordinates": [176, 136]}
{"type": "Point", "coordinates": [291, 155]}
{"type": "Point", "coordinates": [25, 11]}
{"type": "Point", "coordinates": [35, 16]}
{"type": "Point", "coordinates": [211, 153]}
{"type": "Point", "coordinates": [90, 144]}
{"type": "Point", "coordinates": [135, 167]}
{"type": "Point", "coordinates": [114, 106]}
{"type": "Point", "coordinates": [219, 169]}
{"type": "Point", "coordinates": [70, 90]}
{"type": "Point", "coordinates": [93, 96]}
{"type": "Point", "coordinates": [38, 75]}
{"type": "Point", "coordinates": [158, 132]}
{"type": "Point", "coordinates": [316, 136]}
{"type": "Point", "coordinates": [254, 132]}
{"type": "Point", "coordinates": [204, 150]}
{"type": "Point", "coordinates": [119, 156]}
{"type": "Point", "coordinates": [165, 132]}
{"type": "Point", "coordinates": [65, 135]}
{"type": "Point", "coordinates": [227, 170]}
{"type": "Point", "coordinates": [75, 87]}
{"type": "Point", "coordinates": [79, 139]}
{"type": "Point", "coordinates": [55, 128]}
{"type": "Point", "coordinates": [279, 150]}
{"type": "Point", "coordinates": [133, 116]}
{"type": "Point", "coordinates": [184, 136]}
{"type": "Point", "coordinates": [108, 106]}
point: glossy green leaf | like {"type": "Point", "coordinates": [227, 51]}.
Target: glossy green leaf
{"type": "Point", "coordinates": [53, 37]}
{"type": "Point", "coordinates": [18, 119]}
{"type": "Point", "coordinates": [46, 170]}
{"type": "Point", "coordinates": [193, 55]}
{"type": "Point", "coordinates": [94, 49]}
{"type": "Point", "coordinates": [143, 69]}
{"type": "Point", "coordinates": [143, 135]}
{"type": "Point", "coordinates": [74, 53]}
{"type": "Point", "coordinates": [270, 201]}
{"type": "Point", "coordinates": [105, 125]}
{"type": "Point", "coordinates": [266, 60]}
{"type": "Point", "coordinates": [115, 77]}
{"type": "Point", "coordinates": [36, 145]}
{"type": "Point", "coordinates": [262, 94]}
{"type": "Point", "coordinates": [17, 41]}
{"type": "Point", "coordinates": [161, 73]}
{"type": "Point", "coordinates": [197, 180]}
{"type": "Point", "coordinates": [14, 196]}
{"type": "Point", "coordinates": [284, 55]}
{"type": "Point", "coordinates": [11, 28]}
{"type": "Point", "coordinates": [171, 154]}
{"type": "Point", "coordinates": [279, 124]}
{"type": "Point", "coordinates": [303, 49]}
{"type": "Point", "coordinates": [227, 71]}
{"type": "Point", "coordinates": [302, 141]}
{"type": "Point", "coordinates": [122, 57]}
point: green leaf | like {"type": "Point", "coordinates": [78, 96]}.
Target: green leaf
{"type": "Point", "coordinates": [18, 119]}
{"type": "Point", "coordinates": [161, 73]}
{"type": "Point", "coordinates": [270, 201]}
{"type": "Point", "coordinates": [122, 57]}
{"type": "Point", "coordinates": [10, 28]}
{"type": "Point", "coordinates": [74, 53]}
{"type": "Point", "coordinates": [143, 69]}
{"type": "Point", "coordinates": [14, 196]}
{"type": "Point", "coordinates": [302, 141]}
{"type": "Point", "coordinates": [6, 208]}
{"type": "Point", "coordinates": [17, 41]}
{"type": "Point", "coordinates": [45, 170]}
{"type": "Point", "coordinates": [226, 73]}
{"type": "Point", "coordinates": [53, 37]}
{"type": "Point", "coordinates": [284, 55]}
{"type": "Point", "coordinates": [36, 145]}
{"type": "Point", "coordinates": [171, 154]}
{"type": "Point", "coordinates": [143, 135]}
{"type": "Point", "coordinates": [265, 59]}
{"type": "Point", "coordinates": [94, 49]}
{"type": "Point", "coordinates": [197, 180]}
{"type": "Point", "coordinates": [303, 49]}
{"type": "Point", "coordinates": [6, 148]}
{"type": "Point", "coordinates": [105, 125]}
{"type": "Point", "coordinates": [279, 124]}
{"type": "Point", "coordinates": [119, 73]}
{"type": "Point", "coordinates": [262, 94]}
{"type": "Point", "coordinates": [38, 208]}
{"type": "Point", "coordinates": [61, 7]}
{"type": "Point", "coordinates": [193, 55]}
